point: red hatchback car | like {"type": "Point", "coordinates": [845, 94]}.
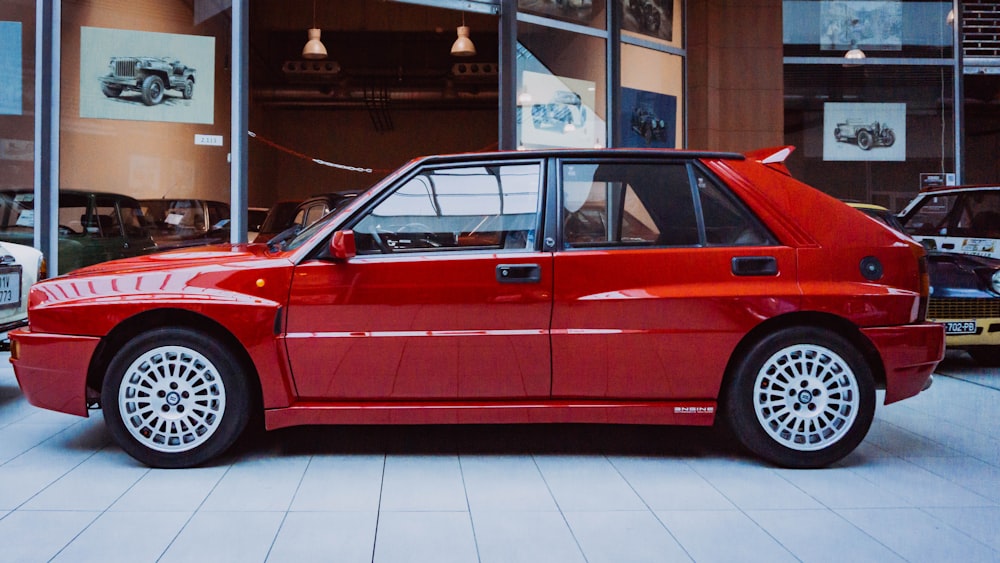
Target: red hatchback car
{"type": "Point", "coordinates": [605, 286]}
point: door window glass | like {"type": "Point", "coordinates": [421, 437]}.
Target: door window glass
{"type": "Point", "coordinates": [492, 207]}
{"type": "Point", "coordinates": [727, 221]}
{"type": "Point", "coordinates": [628, 205]}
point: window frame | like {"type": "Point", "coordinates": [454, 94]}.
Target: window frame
{"type": "Point", "coordinates": [432, 168]}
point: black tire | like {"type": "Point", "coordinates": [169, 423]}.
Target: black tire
{"type": "Point", "coordinates": [988, 356]}
{"type": "Point", "coordinates": [795, 418]}
{"type": "Point", "coordinates": [175, 397]}
{"type": "Point", "coordinates": [111, 91]}
{"type": "Point", "coordinates": [152, 90]}
{"type": "Point", "coordinates": [864, 140]}
{"type": "Point", "coordinates": [188, 91]}
{"type": "Point", "coordinates": [888, 138]}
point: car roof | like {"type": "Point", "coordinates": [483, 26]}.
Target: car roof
{"type": "Point", "coordinates": [599, 154]}
{"type": "Point", "coordinates": [862, 205]}
{"type": "Point", "coordinates": [959, 189]}
{"type": "Point", "coordinates": [76, 192]}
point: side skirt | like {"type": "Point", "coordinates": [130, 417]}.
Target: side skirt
{"type": "Point", "coordinates": [686, 413]}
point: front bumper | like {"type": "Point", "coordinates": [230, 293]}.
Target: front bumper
{"type": "Point", "coordinates": [987, 332]}
{"type": "Point", "coordinates": [52, 369]}
{"type": "Point", "coordinates": [909, 355]}
{"type": "Point", "coordinates": [126, 81]}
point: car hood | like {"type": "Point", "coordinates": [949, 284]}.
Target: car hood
{"type": "Point", "coordinates": [960, 275]}
{"type": "Point", "coordinates": [193, 257]}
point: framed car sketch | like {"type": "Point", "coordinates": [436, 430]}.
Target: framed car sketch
{"type": "Point", "coordinates": [10, 68]}
{"type": "Point", "coordinates": [146, 76]}
{"type": "Point", "coordinates": [587, 12]}
{"type": "Point", "coordinates": [864, 131]}
{"type": "Point", "coordinates": [649, 119]}
{"type": "Point", "coordinates": [557, 111]}
{"type": "Point", "coordinates": [654, 18]}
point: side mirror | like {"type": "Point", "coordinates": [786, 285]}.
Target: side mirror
{"type": "Point", "coordinates": [342, 245]}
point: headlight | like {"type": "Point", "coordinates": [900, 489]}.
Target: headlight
{"type": "Point", "coordinates": [995, 281]}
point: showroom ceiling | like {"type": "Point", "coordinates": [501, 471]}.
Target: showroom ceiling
{"type": "Point", "coordinates": [378, 53]}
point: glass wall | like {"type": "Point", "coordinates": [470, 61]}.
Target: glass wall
{"type": "Point", "coordinates": [17, 94]}
{"type": "Point", "coordinates": [564, 93]}
{"type": "Point", "coordinates": [869, 96]}
{"type": "Point", "coordinates": [561, 88]}
{"type": "Point", "coordinates": [145, 117]}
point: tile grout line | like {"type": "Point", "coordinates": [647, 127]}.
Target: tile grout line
{"type": "Point", "coordinates": [649, 508]}
{"type": "Point", "coordinates": [468, 506]}
{"type": "Point", "coordinates": [562, 514]}
{"type": "Point", "coordinates": [378, 511]}
{"type": "Point", "coordinates": [288, 508]}
{"type": "Point", "coordinates": [194, 512]}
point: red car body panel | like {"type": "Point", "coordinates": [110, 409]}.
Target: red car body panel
{"type": "Point", "coordinates": [434, 338]}
{"type": "Point", "coordinates": [619, 331]}
{"type": "Point", "coordinates": [380, 319]}
{"type": "Point", "coordinates": [49, 375]}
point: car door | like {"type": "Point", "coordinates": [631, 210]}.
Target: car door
{"type": "Point", "coordinates": [660, 274]}
{"type": "Point", "coordinates": [447, 297]}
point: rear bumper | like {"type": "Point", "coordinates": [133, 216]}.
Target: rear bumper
{"type": "Point", "coordinates": [52, 369]}
{"type": "Point", "coordinates": [909, 355]}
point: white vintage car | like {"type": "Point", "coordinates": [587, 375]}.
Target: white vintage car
{"type": "Point", "coordinates": [20, 267]}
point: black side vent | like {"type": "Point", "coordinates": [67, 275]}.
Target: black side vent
{"type": "Point", "coordinates": [981, 30]}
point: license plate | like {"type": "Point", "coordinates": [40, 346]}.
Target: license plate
{"type": "Point", "coordinates": [960, 327]}
{"type": "Point", "coordinates": [10, 286]}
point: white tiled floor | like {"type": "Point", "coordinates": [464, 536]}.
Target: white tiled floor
{"type": "Point", "coordinates": [924, 486]}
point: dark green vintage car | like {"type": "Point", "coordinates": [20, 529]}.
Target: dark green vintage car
{"type": "Point", "coordinates": [93, 227]}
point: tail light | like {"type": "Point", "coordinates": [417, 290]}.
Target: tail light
{"type": "Point", "coordinates": [925, 288]}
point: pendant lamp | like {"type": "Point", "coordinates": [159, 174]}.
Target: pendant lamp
{"type": "Point", "coordinates": [314, 48]}
{"type": "Point", "coordinates": [463, 47]}
{"type": "Point", "coordinates": [854, 55]}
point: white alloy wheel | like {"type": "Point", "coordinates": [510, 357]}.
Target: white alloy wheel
{"type": "Point", "coordinates": [172, 399]}
{"type": "Point", "coordinates": [806, 397]}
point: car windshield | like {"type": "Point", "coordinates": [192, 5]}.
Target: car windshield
{"type": "Point", "coordinates": [973, 213]}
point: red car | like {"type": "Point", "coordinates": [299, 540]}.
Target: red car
{"type": "Point", "coordinates": [604, 286]}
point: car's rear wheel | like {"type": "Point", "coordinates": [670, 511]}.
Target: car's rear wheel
{"type": "Point", "coordinates": [864, 140]}
{"type": "Point", "coordinates": [802, 397]}
{"type": "Point", "coordinates": [174, 397]}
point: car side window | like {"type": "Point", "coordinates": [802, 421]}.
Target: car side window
{"type": "Point", "coordinates": [490, 207]}
{"type": "Point", "coordinates": [727, 221]}
{"type": "Point", "coordinates": [621, 204]}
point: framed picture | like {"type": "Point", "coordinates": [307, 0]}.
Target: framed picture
{"type": "Point", "coordinates": [578, 11]}
{"type": "Point", "coordinates": [146, 76]}
{"type": "Point", "coordinates": [866, 131]}
{"type": "Point", "coordinates": [10, 68]}
{"type": "Point", "coordinates": [648, 119]}
{"type": "Point", "coordinates": [556, 111]}
{"type": "Point", "coordinates": [865, 24]}
{"type": "Point", "coordinates": [654, 18]}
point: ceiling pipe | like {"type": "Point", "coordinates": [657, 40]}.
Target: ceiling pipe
{"type": "Point", "coordinates": [355, 97]}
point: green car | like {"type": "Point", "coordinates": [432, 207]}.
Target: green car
{"type": "Point", "coordinates": [93, 227]}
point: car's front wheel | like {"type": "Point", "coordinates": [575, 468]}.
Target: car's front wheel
{"type": "Point", "coordinates": [111, 91]}
{"type": "Point", "coordinates": [152, 90]}
{"type": "Point", "coordinates": [175, 397]}
{"type": "Point", "coordinates": [802, 397]}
